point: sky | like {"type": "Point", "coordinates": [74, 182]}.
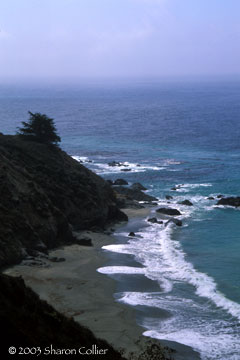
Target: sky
{"type": "Point", "coordinates": [119, 38]}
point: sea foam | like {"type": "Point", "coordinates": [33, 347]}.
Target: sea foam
{"type": "Point", "coordinates": [165, 261]}
{"type": "Point", "coordinates": [188, 187]}
{"type": "Point", "coordinates": [103, 168]}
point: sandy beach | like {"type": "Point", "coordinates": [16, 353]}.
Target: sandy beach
{"type": "Point", "coordinates": [77, 290]}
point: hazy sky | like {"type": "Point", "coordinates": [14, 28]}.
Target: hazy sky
{"type": "Point", "coordinates": [76, 38]}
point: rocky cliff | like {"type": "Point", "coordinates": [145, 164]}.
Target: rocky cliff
{"type": "Point", "coordinates": [29, 322]}
{"type": "Point", "coordinates": [44, 195]}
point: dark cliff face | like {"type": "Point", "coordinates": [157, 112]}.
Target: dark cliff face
{"type": "Point", "coordinates": [44, 193]}
{"type": "Point", "coordinates": [28, 321]}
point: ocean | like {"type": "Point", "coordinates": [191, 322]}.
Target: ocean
{"type": "Point", "coordinates": [183, 281]}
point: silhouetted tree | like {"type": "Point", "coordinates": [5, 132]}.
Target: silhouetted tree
{"type": "Point", "coordinates": [40, 128]}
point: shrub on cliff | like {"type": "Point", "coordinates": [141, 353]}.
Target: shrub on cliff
{"type": "Point", "coordinates": [40, 128]}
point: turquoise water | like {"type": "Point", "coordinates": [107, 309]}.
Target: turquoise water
{"type": "Point", "coordinates": [179, 133]}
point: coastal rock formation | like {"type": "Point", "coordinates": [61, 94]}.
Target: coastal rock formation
{"type": "Point", "coordinates": [124, 202]}
{"type": "Point", "coordinates": [120, 182]}
{"type": "Point", "coordinates": [186, 202]}
{"type": "Point", "coordinates": [168, 211]}
{"type": "Point", "coordinates": [177, 187]}
{"type": "Point", "coordinates": [131, 234]}
{"type": "Point", "coordinates": [138, 186]}
{"type": "Point", "coordinates": [175, 221]}
{"type": "Point", "coordinates": [134, 194]}
{"type": "Point", "coordinates": [230, 201]}
{"type": "Point", "coordinates": [155, 221]}
{"type": "Point", "coordinates": [116, 163]}
{"type": "Point", "coordinates": [110, 182]}
{"type": "Point", "coordinates": [82, 240]}
{"type": "Point", "coordinates": [44, 195]}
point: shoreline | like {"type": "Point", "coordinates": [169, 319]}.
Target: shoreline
{"type": "Point", "coordinates": [77, 290]}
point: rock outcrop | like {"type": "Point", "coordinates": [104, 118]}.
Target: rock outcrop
{"type": "Point", "coordinates": [44, 195]}
{"type": "Point", "coordinates": [230, 201]}
{"type": "Point", "coordinates": [120, 182]}
{"type": "Point", "coordinates": [116, 163]}
{"type": "Point", "coordinates": [134, 194]}
{"type": "Point", "coordinates": [155, 221]}
{"type": "Point", "coordinates": [168, 211]}
{"type": "Point", "coordinates": [186, 202]}
{"type": "Point", "coordinates": [131, 234]}
{"type": "Point", "coordinates": [138, 186]}
{"type": "Point", "coordinates": [174, 221]}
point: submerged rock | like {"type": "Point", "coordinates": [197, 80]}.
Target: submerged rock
{"type": "Point", "coordinates": [230, 201]}
{"type": "Point", "coordinates": [126, 170]}
{"type": "Point", "coordinates": [220, 196]}
{"type": "Point", "coordinates": [155, 221]}
{"type": "Point", "coordinates": [186, 202]}
{"type": "Point", "coordinates": [210, 198]}
{"type": "Point", "coordinates": [169, 211]}
{"type": "Point", "coordinates": [168, 197]}
{"type": "Point", "coordinates": [115, 163]}
{"type": "Point", "coordinates": [175, 221]}
{"type": "Point", "coordinates": [176, 187]}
